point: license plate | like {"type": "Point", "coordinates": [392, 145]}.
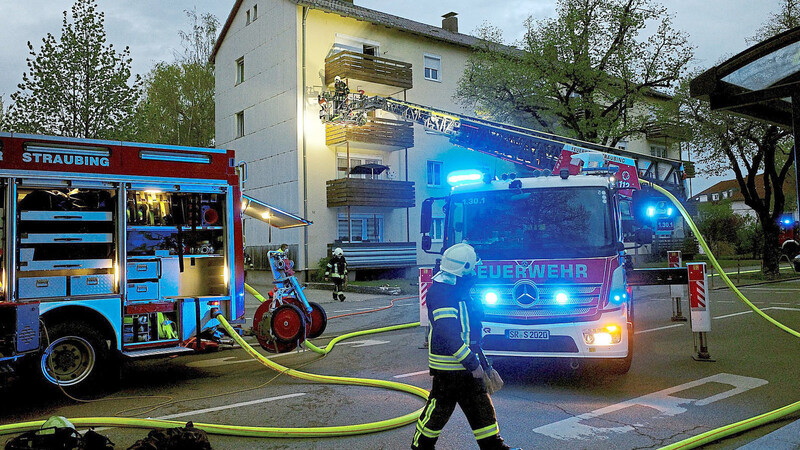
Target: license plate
{"type": "Point", "coordinates": [528, 334]}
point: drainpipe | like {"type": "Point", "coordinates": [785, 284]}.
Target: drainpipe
{"type": "Point", "coordinates": [305, 155]}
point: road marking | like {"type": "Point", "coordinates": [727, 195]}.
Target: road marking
{"type": "Point", "coordinates": [659, 328]}
{"type": "Point", "coordinates": [662, 401]}
{"type": "Point", "coordinates": [771, 290]}
{"type": "Point", "coordinates": [344, 310]}
{"type": "Point", "coordinates": [363, 309]}
{"type": "Point", "coordinates": [412, 374]}
{"type": "Point", "coordinates": [234, 405]}
{"type": "Point", "coordinates": [364, 343]}
{"type": "Point", "coordinates": [734, 314]}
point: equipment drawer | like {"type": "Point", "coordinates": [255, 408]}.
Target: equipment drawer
{"type": "Point", "coordinates": [72, 264]}
{"type": "Point", "coordinates": [91, 284]}
{"type": "Point", "coordinates": [143, 290]}
{"type": "Point", "coordinates": [67, 216]}
{"type": "Point", "coordinates": [143, 270]}
{"type": "Point", "coordinates": [37, 287]}
{"type": "Point", "coordinates": [66, 238]}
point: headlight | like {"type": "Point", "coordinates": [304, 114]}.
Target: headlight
{"type": "Point", "coordinates": [490, 298]}
{"type": "Point", "coordinates": [611, 334]}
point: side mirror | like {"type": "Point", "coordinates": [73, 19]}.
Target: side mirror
{"type": "Point", "coordinates": [426, 242]}
{"type": "Point", "coordinates": [425, 216]}
{"type": "Point", "coordinates": [644, 236]}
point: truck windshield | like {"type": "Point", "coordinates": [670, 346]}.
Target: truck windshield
{"type": "Point", "coordinates": [537, 223]}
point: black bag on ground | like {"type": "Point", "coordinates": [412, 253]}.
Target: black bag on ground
{"type": "Point", "coordinates": [61, 438]}
{"type": "Point", "coordinates": [185, 438]}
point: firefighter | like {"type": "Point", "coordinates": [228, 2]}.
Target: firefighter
{"type": "Point", "coordinates": [341, 92]}
{"type": "Point", "coordinates": [337, 270]}
{"type": "Point", "coordinates": [453, 355]}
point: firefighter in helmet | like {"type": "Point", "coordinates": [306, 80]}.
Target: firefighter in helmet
{"type": "Point", "coordinates": [455, 358]}
{"type": "Point", "coordinates": [337, 271]}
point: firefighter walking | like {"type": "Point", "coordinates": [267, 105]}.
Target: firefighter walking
{"type": "Point", "coordinates": [455, 357]}
{"type": "Point", "coordinates": [337, 272]}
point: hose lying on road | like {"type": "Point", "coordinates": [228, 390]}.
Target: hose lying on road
{"type": "Point", "coordinates": [267, 432]}
{"type": "Point", "coordinates": [744, 425]}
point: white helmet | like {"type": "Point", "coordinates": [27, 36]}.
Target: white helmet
{"type": "Point", "coordinates": [337, 78]}
{"type": "Point", "coordinates": [338, 252]}
{"type": "Point", "coordinates": [459, 260]}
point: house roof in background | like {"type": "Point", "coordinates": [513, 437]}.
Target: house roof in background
{"type": "Point", "coordinates": [368, 15]}
{"type": "Point", "coordinates": [727, 185]}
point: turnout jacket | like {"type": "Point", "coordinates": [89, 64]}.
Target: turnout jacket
{"type": "Point", "coordinates": [455, 327]}
{"type": "Point", "coordinates": [337, 267]}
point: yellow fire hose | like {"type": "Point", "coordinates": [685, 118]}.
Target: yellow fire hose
{"type": "Point", "coordinates": [753, 422]}
{"type": "Point", "coordinates": [267, 432]}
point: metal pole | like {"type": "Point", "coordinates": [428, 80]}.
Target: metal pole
{"type": "Point", "coordinates": [796, 132]}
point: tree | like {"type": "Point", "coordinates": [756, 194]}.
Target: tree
{"type": "Point", "coordinates": [580, 73]}
{"type": "Point", "coordinates": [177, 105]}
{"type": "Point", "coordinates": [718, 225]}
{"type": "Point", "coordinates": [747, 147]}
{"type": "Point", "coordinates": [76, 85]}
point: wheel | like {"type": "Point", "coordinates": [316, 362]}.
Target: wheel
{"type": "Point", "coordinates": [77, 356]}
{"type": "Point", "coordinates": [261, 328]}
{"type": "Point", "coordinates": [288, 324]}
{"type": "Point", "coordinates": [318, 322]}
{"type": "Point", "coordinates": [621, 366]}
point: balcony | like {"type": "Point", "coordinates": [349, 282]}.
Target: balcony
{"type": "Point", "coordinates": [377, 134]}
{"type": "Point", "coordinates": [672, 132]}
{"type": "Point", "coordinates": [369, 192]}
{"type": "Point", "coordinates": [377, 255]}
{"type": "Point", "coordinates": [373, 74]}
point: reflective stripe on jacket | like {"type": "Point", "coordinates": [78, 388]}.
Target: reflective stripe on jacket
{"type": "Point", "coordinates": [337, 267]}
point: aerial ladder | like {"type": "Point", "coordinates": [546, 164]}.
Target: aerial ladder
{"type": "Point", "coordinates": [532, 149]}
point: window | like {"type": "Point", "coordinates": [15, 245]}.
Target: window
{"type": "Point", "coordinates": [240, 124]}
{"type": "Point", "coordinates": [255, 12]}
{"type": "Point", "coordinates": [437, 229]}
{"type": "Point", "coordinates": [434, 173]}
{"type": "Point", "coordinates": [356, 44]}
{"type": "Point", "coordinates": [714, 197]}
{"type": "Point", "coordinates": [240, 70]}
{"type": "Point", "coordinates": [433, 67]}
{"type": "Point", "coordinates": [364, 228]}
{"type": "Point", "coordinates": [248, 17]}
{"type": "Point", "coordinates": [370, 50]}
{"type": "Point", "coordinates": [342, 167]}
{"type": "Point", "coordinates": [658, 150]}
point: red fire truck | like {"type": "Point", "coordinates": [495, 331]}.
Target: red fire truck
{"type": "Point", "coordinates": [553, 274]}
{"type": "Point", "coordinates": [114, 249]}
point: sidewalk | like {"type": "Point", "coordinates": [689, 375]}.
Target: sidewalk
{"type": "Point", "coordinates": [322, 296]}
{"type": "Point", "coordinates": [784, 438]}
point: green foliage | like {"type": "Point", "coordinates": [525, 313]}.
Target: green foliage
{"type": "Point", "coordinates": [689, 248]}
{"type": "Point", "coordinates": [718, 225]}
{"type": "Point", "coordinates": [319, 274]}
{"type": "Point", "coordinates": [76, 85]}
{"type": "Point", "coordinates": [749, 238]}
{"type": "Point", "coordinates": [177, 105]}
{"type": "Point", "coordinates": [580, 73]}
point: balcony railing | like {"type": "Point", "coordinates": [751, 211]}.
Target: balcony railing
{"type": "Point", "coordinates": [669, 131]}
{"type": "Point", "coordinates": [368, 68]}
{"type": "Point", "coordinates": [385, 134]}
{"type": "Point", "coordinates": [368, 192]}
{"type": "Point", "coordinates": [377, 255]}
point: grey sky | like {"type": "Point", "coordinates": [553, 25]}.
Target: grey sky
{"type": "Point", "coordinates": [717, 28]}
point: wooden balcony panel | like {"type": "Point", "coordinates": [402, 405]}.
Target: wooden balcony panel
{"type": "Point", "coordinates": [372, 69]}
{"type": "Point", "coordinates": [369, 192]}
{"type": "Point", "coordinates": [396, 134]}
{"type": "Point", "coordinates": [671, 131]}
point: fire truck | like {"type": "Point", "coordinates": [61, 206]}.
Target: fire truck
{"type": "Point", "coordinates": [117, 250]}
{"type": "Point", "coordinates": [553, 278]}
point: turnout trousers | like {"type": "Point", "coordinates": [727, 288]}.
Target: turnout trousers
{"type": "Point", "coordinates": [449, 389]}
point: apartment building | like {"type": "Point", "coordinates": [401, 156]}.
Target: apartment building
{"type": "Point", "coordinates": [274, 57]}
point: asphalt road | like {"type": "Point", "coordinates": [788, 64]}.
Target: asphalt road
{"type": "Point", "coordinates": [666, 396]}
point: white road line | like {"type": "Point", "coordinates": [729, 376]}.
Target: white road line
{"type": "Point", "coordinates": [725, 301]}
{"type": "Point", "coordinates": [412, 374]}
{"type": "Point", "coordinates": [659, 328]}
{"type": "Point", "coordinates": [781, 303]}
{"type": "Point", "coordinates": [363, 309]}
{"type": "Point", "coordinates": [732, 315]}
{"type": "Point", "coordinates": [342, 311]}
{"type": "Point", "coordinates": [234, 405]}
{"type": "Point", "coordinates": [771, 290]}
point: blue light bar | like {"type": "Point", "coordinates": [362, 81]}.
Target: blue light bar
{"type": "Point", "coordinates": [651, 211]}
{"type": "Point", "coordinates": [461, 177]}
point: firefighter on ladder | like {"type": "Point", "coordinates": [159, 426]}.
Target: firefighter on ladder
{"type": "Point", "coordinates": [337, 271]}
{"type": "Point", "coordinates": [454, 355]}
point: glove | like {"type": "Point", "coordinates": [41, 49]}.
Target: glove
{"type": "Point", "coordinates": [479, 373]}
{"type": "Point", "coordinates": [492, 381]}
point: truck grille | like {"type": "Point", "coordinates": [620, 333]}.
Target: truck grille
{"type": "Point", "coordinates": [581, 300]}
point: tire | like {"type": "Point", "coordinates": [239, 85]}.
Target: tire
{"type": "Point", "coordinates": [288, 324]}
{"type": "Point", "coordinates": [621, 366]}
{"type": "Point", "coordinates": [76, 357]}
{"type": "Point", "coordinates": [318, 322]}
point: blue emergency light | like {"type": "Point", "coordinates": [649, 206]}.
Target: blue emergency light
{"type": "Point", "coordinates": [490, 298]}
{"type": "Point", "coordinates": [461, 177]}
{"type": "Point", "coordinates": [651, 211]}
